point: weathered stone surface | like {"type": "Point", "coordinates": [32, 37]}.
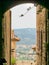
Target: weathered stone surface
{"type": "Point", "coordinates": [41, 35]}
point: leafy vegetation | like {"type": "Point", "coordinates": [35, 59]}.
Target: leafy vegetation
{"type": "Point", "coordinates": [47, 47]}
{"type": "Point", "coordinates": [4, 64]}
{"type": "Point", "coordinates": [13, 61]}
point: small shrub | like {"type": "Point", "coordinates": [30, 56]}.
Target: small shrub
{"type": "Point", "coordinates": [13, 60]}
{"type": "Point", "coordinates": [47, 47]}
{"type": "Point", "coordinates": [4, 64]}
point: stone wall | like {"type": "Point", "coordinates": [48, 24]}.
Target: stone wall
{"type": "Point", "coordinates": [41, 34]}
{"type": "Point", "coordinates": [6, 34]}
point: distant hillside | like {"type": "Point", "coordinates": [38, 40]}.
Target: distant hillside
{"type": "Point", "coordinates": [26, 35]}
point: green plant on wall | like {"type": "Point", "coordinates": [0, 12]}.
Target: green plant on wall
{"type": "Point", "coordinates": [47, 47]}
{"type": "Point", "coordinates": [47, 50]}
{"type": "Point", "coordinates": [13, 61]}
{"type": "Point", "coordinates": [4, 64]}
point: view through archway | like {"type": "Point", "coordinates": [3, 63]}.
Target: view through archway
{"type": "Point", "coordinates": [23, 33]}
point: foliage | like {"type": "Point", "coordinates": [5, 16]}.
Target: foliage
{"type": "Point", "coordinates": [13, 60]}
{"type": "Point", "coordinates": [4, 64]}
{"type": "Point", "coordinates": [47, 47]}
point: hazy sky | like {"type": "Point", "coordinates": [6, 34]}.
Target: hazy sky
{"type": "Point", "coordinates": [26, 21]}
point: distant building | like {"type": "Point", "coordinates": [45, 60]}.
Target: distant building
{"type": "Point", "coordinates": [14, 39]}
{"type": "Point", "coordinates": [35, 55]}
{"type": "Point", "coordinates": [34, 47]}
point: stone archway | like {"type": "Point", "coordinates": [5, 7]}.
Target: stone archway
{"type": "Point", "coordinates": [41, 13]}
{"type": "Point", "coordinates": [11, 3]}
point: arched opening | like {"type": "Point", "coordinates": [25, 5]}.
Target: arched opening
{"type": "Point", "coordinates": [41, 37]}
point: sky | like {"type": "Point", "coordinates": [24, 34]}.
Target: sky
{"type": "Point", "coordinates": [26, 21]}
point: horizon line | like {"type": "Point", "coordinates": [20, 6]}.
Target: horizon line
{"type": "Point", "coordinates": [19, 28]}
